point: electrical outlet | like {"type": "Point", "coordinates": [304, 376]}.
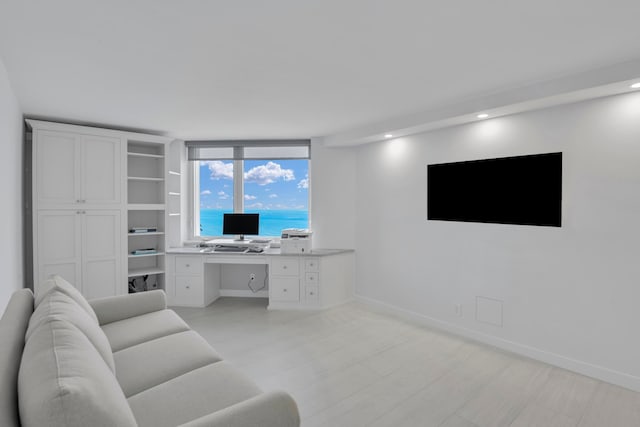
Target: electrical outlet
{"type": "Point", "coordinates": [457, 308]}
{"type": "Point", "coordinates": [252, 277]}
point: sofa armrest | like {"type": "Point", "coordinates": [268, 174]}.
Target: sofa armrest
{"type": "Point", "coordinates": [120, 307]}
{"type": "Point", "coordinates": [272, 409]}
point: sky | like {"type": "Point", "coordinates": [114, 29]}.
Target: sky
{"type": "Point", "coordinates": [268, 185]}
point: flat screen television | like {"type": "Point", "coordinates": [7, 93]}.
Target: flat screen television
{"type": "Point", "coordinates": [241, 224]}
{"type": "Point", "coordinates": [525, 190]}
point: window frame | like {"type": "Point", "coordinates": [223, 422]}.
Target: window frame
{"type": "Point", "coordinates": [238, 196]}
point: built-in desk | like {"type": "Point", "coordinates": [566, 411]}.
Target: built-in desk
{"type": "Point", "coordinates": [318, 279]}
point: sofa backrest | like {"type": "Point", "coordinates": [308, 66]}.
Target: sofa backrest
{"type": "Point", "coordinates": [58, 305]}
{"type": "Point", "coordinates": [64, 381]}
{"type": "Point", "coordinates": [57, 283]}
{"type": "Point", "coordinates": [13, 326]}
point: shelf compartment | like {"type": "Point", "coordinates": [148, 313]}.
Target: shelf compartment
{"type": "Point", "coordinates": [146, 207]}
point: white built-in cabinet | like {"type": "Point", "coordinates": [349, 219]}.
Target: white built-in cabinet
{"type": "Point", "coordinates": [83, 246]}
{"type": "Point", "coordinates": [89, 187]}
{"type": "Point", "coordinates": [75, 169]}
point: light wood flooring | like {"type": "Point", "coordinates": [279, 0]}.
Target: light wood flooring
{"type": "Point", "coordinates": [350, 366]}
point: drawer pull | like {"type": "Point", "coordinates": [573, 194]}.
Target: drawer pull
{"type": "Point", "coordinates": [188, 287]}
{"type": "Point", "coordinates": [311, 293]}
{"type": "Point", "coordinates": [284, 267]}
{"type": "Point", "coordinates": [187, 265]}
{"type": "Point", "coordinates": [284, 290]}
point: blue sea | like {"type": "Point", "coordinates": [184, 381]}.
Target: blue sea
{"type": "Point", "coordinates": [272, 222]}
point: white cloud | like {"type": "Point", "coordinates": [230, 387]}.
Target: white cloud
{"type": "Point", "coordinates": [304, 183]}
{"type": "Point", "coordinates": [256, 205]}
{"type": "Point", "coordinates": [205, 193]}
{"type": "Point", "coordinates": [222, 195]}
{"type": "Point", "coordinates": [220, 170]}
{"type": "Point", "coordinates": [273, 196]}
{"type": "Point", "coordinates": [269, 173]}
{"type": "Point", "coordinates": [249, 197]}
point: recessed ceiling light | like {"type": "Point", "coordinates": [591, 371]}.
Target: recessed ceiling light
{"type": "Point", "coordinates": [388, 135]}
{"type": "Point", "coordinates": [482, 116]}
{"type": "Point", "coordinates": [635, 86]}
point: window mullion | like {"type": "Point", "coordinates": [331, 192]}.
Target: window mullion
{"type": "Point", "coordinates": [238, 186]}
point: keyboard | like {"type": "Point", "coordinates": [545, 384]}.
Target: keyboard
{"type": "Point", "coordinates": [227, 248]}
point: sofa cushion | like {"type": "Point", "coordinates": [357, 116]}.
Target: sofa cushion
{"type": "Point", "coordinates": [58, 305]}
{"type": "Point", "coordinates": [61, 285]}
{"type": "Point", "coordinates": [13, 326]}
{"type": "Point", "coordinates": [63, 381]}
{"type": "Point", "coordinates": [139, 329]}
{"type": "Point", "coordinates": [146, 365]}
{"type": "Point", "coordinates": [192, 395]}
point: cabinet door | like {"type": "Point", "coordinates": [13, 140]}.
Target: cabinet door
{"type": "Point", "coordinates": [100, 169]}
{"type": "Point", "coordinates": [101, 264]}
{"type": "Point", "coordinates": [58, 246]}
{"type": "Point", "coordinates": [57, 165]}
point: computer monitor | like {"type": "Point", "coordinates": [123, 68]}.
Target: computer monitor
{"type": "Point", "coordinates": [241, 224]}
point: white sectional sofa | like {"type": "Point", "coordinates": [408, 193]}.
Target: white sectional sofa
{"type": "Point", "coordinates": [119, 361]}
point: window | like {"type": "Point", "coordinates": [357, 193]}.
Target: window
{"type": "Point", "coordinates": [268, 178]}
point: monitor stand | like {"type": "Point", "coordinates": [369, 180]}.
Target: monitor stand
{"type": "Point", "coordinates": [240, 239]}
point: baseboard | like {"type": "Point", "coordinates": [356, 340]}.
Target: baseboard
{"type": "Point", "coordinates": [243, 293]}
{"type": "Point", "coordinates": [599, 372]}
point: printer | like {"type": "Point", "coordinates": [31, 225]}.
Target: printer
{"type": "Point", "coordinates": [295, 241]}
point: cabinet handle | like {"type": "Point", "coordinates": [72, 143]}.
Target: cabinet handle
{"type": "Point", "coordinates": [284, 267]}
{"type": "Point", "coordinates": [78, 212]}
{"type": "Point", "coordinates": [310, 293]}
{"type": "Point", "coordinates": [77, 200]}
{"type": "Point", "coordinates": [284, 290]}
{"type": "Point", "coordinates": [187, 265]}
{"type": "Point", "coordinates": [188, 287]}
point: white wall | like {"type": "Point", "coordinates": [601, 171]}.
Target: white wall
{"type": "Point", "coordinates": [11, 128]}
{"type": "Point", "coordinates": [570, 295]}
{"type": "Point", "coordinates": [333, 179]}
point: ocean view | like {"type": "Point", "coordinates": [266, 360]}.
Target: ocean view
{"type": "Point", "coordinates": [272, 222]}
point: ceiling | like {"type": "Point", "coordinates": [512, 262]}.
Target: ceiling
{"type": "Point", "coordinates": [294, 68]}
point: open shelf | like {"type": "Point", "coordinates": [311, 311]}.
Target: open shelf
{"type": "Point", "coordinates": [153, 156]}
{"type": "Point", "coordinates": [151, 233]}
{"type": "Point", "coordinates": [144, 178]}
{"type": "Point", "coordinates": [145, 271]}
{"type": "Point", "coordinates": [146, 255]}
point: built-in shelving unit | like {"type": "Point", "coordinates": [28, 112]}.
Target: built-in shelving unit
{"type": "Point", "coordinates": [146, 208]}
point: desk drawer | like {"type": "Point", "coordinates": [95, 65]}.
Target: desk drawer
{"type": "Point", "coordinates": [312, 264]}
{"type": "Point", "coordinates": [189, 290]}
{"type": "Point", "coordinates": [311, 294]}
{"type": "Point", "coordinates": [189, 265]}
{"type": "Point", "coordinates": [284, 289]}
{"type": "Point", "coordinates": [312, 278]}
{"type": "Point", "coordinates": [281, 266]}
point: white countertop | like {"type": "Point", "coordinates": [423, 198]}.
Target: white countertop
{"type": "Point", "coordinates": [186, 250]}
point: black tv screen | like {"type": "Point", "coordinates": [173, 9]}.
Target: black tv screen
{"type": "Point", "coordinates": [524, 190]}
